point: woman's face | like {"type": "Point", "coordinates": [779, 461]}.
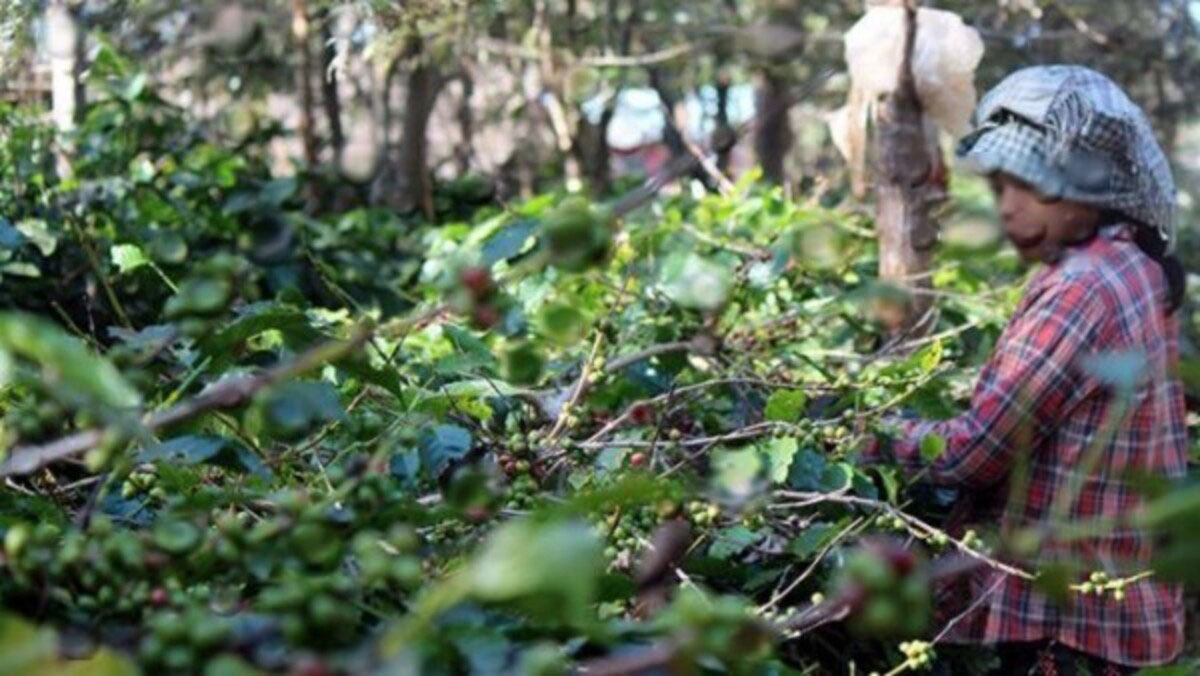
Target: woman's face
{"type": "Point", "coordinates": [1040, 228]}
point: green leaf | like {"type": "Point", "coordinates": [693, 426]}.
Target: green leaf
{"type": "Point", "coordinates": [276, 192]}
{"type": "Point", "coordinates": [891, 482]}
{"type": "Point", "coordinates": [202, 295]}
{"type": "Point", "coordinates": [932, 447]}
{"type": "Point", "coordinates": [523, 364]}
{"type": "Point", "coordinates": [737, 471]}
{"type": "Point", "coordinates": [553, 566]}
{"type": "Point", "coordinates": [467, 343]}
{"type": "Point", "coordinates": [229, 665]}
{"type": "Point", "coordinates": [128, 257]}
{"type": "Point", "coordinates": [134, 87]}
{"type": "Point", "coordinates": [696, 283]}
{"type": "Point", "coordinates": [1177, 670]}
{"type": "Point", "coordinates": [1054, 581]}
{"type": "Point", "coordinates": [509, 242]}
{"type": "Point", "coordinates": [779, 454]}
{"type": "Point", "coordinates": [564, 323]}
{"type": "Point", "coordinates": [812, 539]}
{"type": "Point", "coordinates": [808, 468]}
{"type": "Point", "coordinates": [442, 445]}
{"type": "Point", "coordinates": [36, 231]}
{"type": "Point", "coordinates": [406, 464]}
{"type": "Point", "coordinates": [149, 338]}
{"type": "Point", "coordinates": [66, 360]}
{"type": "Point", "coordinates": [730, 542]}
{"type": "Point", "coordinates": [292, 409]}
{"type": "Point", "coordinates": [197, 450]}
{"type": "Point", "coordinates": [10, 237]}
{"type": "Point", "coordinates": [22, 269]}
{"type": "Point", "coordinates": [930, 357]}
{"type": "Point", "coordinates": [168, 246]}
{"type": "Point", "coordinates": [32, 651]}
{"type": "Point", "coordinates": [253, 320]}
{"type": "Point", "coordinates": [786, 406]}
{"type": "Point", "coordinates": [176, 536]}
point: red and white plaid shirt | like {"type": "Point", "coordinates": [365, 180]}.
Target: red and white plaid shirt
{"type": "Point", "coordinates": [1033, 399]}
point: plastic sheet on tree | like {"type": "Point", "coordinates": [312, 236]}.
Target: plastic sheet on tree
{"type": "Point", "coordinates": [945, 56]}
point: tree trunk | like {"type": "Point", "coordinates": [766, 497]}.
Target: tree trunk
{"type": "Point", "coordinates": [466, 123]}
{"type": "Point", "coordinates": [329, 90]}
{"type": "Point", "coordinates": [774, 137]}
{"type": "Point", "coordinates": [590, 148]}
{"type": "Point", "coordinates": [723, 134]}
{"type": "Point", "coordinates": [404, 182]}
{"type": "Point", "coordinates": [301, 28]}
{"type": "Point", "coordinates": [903, 194]}
{"type": "Point", "coordinates": [674, 119]}
{"type": "Point", "coordinates": [300, 32]}
{"type": "Point", "coordinates": [65, 42]}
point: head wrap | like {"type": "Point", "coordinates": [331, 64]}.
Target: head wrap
{"type": "Point", "coordinates": [1072, 133]}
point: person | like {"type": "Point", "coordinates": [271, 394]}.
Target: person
{"type": "Point", "coordinates": [1051, 436]}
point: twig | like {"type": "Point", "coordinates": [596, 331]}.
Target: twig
{"type": "Point", "coordinates": [226, 394]}
{"type": "Point", "coordinates": [915, 525]}
{"type": "Point", "coordinates": [849, 530]}
{"type": "Point", "coordinates": [85, 243]}
{"type": "Point", "coordinates": [653, 351]}
{"type": "Point", "coordinates": [970, 609]}
{"type": "Point", "coordinates": [515, 51]}
{"type": "Point", "coordinates": [656, 655]}
{"type": "Point", "coordinates": [580, 387]}
{"type": "Point", "coordinates": [749, 432]}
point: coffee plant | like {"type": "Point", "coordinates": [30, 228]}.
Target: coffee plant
{"type": "Point", "coordinates": [540, 438]}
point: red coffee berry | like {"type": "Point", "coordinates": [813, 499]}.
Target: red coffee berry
{"type": "Point", "coordinates": [642, 413]}
{"type": "Point", "coordinates": [477, 280]}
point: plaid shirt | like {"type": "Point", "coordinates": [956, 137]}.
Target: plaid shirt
{"type": "Point", "coordinates": [1106, 296]}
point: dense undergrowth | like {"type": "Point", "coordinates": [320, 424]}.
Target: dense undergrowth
{"type": "Point", "coordinates": [524, 439]}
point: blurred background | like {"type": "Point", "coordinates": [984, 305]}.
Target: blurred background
{"type": "Point", "coordinates": [525, 94]}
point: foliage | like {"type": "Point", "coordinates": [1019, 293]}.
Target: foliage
{"type": "Point", "coordinates": [556, 397]}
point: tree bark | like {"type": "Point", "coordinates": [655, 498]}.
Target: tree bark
{"type": "Point", "coordinates": [65, 43]}
{"type": "Point", "coordinates": [774, 137]}
{"type": "Point", "coordinates": [301, 27]}
{"type": "Point", "coordinates": [466, 123]}
{"type": "Point", "coordinates": [904, 193]}
{"type": "Point", "coordinates": [413, 186]}
{"type": "Point", "coordinates": [723, 134]}
{"type": "Point", "coordinates": [590, 149]}
{"type": "Point", "coordinates": [329, 90]}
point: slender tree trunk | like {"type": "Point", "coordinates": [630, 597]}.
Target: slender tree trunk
{"type": "Point", "coordinates": [903, 194]}
{"type": "Point", "coordinates": [723, 134]}
{"type": "Point", "coordinates": [404, 182]}
{"type": "Point", "coordinates": [65, 43]}
{"type": "Point", "coordinates": [466, 123]}
{"type": "Point", "coordinates": [674, 125]}
{"type": "Point", "coordinates": [774, 137]}
{"type": "Point", "coordinates": [329, 90]}
{"type": "Point", "coordinates": [301, 30]}
{"type": "Point", "coordinates": [590, 149]}
{"type": "Point", "coordinates": [301, 27]}
{"type": "Point", "coordinates": [385, 170]}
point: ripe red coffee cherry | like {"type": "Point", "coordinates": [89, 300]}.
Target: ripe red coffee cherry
{"type": "Point", "coordinates": [485, 316]}
{"type": "Point", "coordinates": [642, 414]}
{"type": "Point", "coordinates": [477, 280]}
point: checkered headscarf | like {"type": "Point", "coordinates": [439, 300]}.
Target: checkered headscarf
{"type": "Point", "coordinates": [1071, 133]}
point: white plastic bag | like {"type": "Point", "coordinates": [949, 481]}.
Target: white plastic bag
{"type": "Point", "coordinates": [945, 57]}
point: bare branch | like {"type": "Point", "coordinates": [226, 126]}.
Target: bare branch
{"type": "Point", "coordinates": [225, 394]}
